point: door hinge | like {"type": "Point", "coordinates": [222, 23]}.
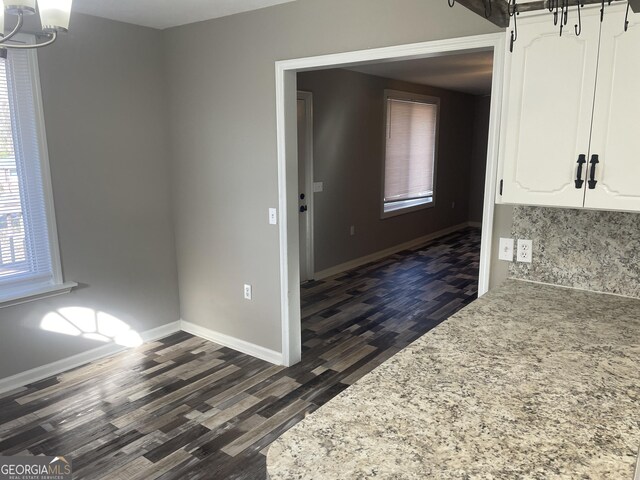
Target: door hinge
{"type": "Point", "coordinates": [501, 186]}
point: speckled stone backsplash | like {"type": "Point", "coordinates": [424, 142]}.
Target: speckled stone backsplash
{"type": "Point", "coordinates": [591, 250]}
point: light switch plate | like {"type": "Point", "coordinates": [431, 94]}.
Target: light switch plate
{"type": "Point", "coordinates": [525, 251]}
{"type": "Point", "coordinates": [318, 187]}
{"type": "Point", "coordinates": [273, 216]}
{"type": "Point", "coordinates": [506, 249]}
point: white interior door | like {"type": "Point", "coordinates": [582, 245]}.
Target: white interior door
{"type": "Point", "coordinates": [547, 114]}
{"type": "Point", "coordinates": [305, 184]}
{"type": "Point", "coordinates": [615, 139]}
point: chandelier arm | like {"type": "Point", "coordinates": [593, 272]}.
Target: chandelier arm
{"type": "Point", "coordinates": [52, 38]}
{"type": "Point", "coordinates": [17, 28]}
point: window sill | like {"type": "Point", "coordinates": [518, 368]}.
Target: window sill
{"type": "Point", "coordinates": [407, 206]}
{"type": "Point", "coordinates": [36, 294]}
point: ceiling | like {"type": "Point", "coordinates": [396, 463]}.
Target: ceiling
{"type": "Point", "coordinates": [467, 73]}
{"type": "Point", "coordinates": [168, 13]}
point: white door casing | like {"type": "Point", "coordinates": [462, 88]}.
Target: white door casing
{"type": "Point", "coordinates": [305, 184]}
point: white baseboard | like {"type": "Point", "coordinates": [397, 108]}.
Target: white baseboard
{"type": "Point", "coordinates": [55, 368]}
{"type": "Point", "coordinates": [39, 373]}
{"type": "Point", "coordinates": [252, 349]}
{"type": "Point", "coordinates": [271, 356]}
{"type": "Point", "coordinates": [358, 262]}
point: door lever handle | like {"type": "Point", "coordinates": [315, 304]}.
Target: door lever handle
{"type": "Point", "coordinates": [595, 160]}
{"type": "Point", "coordinates": [582, 159]}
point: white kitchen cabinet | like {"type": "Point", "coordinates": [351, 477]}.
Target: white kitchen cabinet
{"type": "Point", "coordinates": [548, 139]}
{"type": "Point", "coordinates": [616, 137]}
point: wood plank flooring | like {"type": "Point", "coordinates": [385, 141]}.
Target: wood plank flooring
{"type": "Point", "coordinates": [186, 408]}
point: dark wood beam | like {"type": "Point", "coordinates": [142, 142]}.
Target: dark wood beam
{"type": "Point", "coordinates": [498, 14]}
{"type": "Point", "coordinates": [542, 4]}
{"type": "Point", "coordinates": [499, 11]}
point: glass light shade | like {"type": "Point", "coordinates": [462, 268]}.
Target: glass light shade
{"type": "Point", "coordinates": [54, 15]}
{"type": "Point", "coordinates": [27, 7]}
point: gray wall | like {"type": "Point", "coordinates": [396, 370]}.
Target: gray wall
{"type": "Point", "coordinates": [105, 112]}
{"type": "Point", "coordinates": [222, 109]}
{"type": "Point", "coordinates": [348, 110]}
{"type": "Point", "coordinates": [583, 249]}
{"type": "Point", "coordinates": [478, 165]}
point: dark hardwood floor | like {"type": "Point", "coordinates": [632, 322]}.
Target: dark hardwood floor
{"type": "Point", "coordinates": [185, 408]}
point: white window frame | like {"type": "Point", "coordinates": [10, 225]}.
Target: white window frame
{"type": "Point", "coordinates": [413, 205]}
{"type": "Point", "coordinates": [30, 291]}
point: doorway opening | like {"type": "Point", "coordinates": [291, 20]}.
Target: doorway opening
{"type": "Point", "coordinates": [400, 194]}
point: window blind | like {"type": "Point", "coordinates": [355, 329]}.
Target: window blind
{"type": "Point", "coordinates": [25, 251]}
{"type": "Point", "coordinates": [410, 150]}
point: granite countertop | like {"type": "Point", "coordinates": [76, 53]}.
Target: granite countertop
{"type": "Point", "coordinates": [529, 382]}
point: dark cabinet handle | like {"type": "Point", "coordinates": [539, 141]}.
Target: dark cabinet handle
{"type": "Point", "coordinates": [595, 160]}
{"type": "Point", "coordinates": [582, 159]}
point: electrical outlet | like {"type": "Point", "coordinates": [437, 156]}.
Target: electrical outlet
{"type": "Point", "coordinates": [273, 216]}
{"type": "Point", "coordinates": [247, 292]}
{"type": "Point", "coordinates": [506, 249]}
{"type": "Point", "coordinates": [352, 230]}
{"type": "Point", "coordinates": [525, 251]}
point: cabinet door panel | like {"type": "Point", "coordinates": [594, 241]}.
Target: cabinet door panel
{"type": "Point", "coordinates": [615, 137]}
{"type": "Point", "coordinates": [547, 119]}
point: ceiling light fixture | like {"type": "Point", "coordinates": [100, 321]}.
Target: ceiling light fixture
{"type": "Point", "coordinates": [54, 19]}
